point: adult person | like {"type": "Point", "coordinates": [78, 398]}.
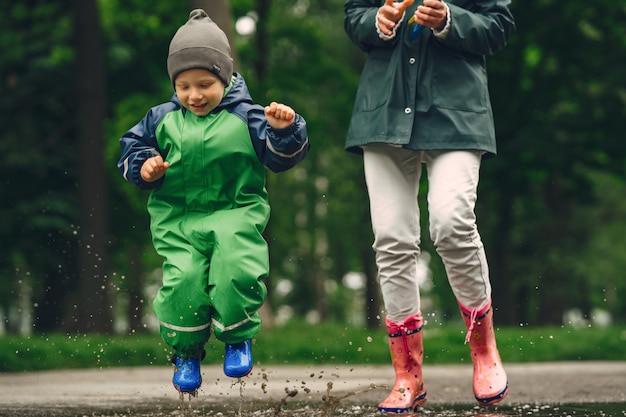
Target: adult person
{"type": "Point", "coordinates": [423, 99]}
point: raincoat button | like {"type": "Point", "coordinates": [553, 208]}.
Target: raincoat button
{"type": "Point", "coordinates": [411, 61]}
{"type": "Point", "coordinates": [407, 110]}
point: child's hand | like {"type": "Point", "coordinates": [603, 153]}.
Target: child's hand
{"type": "Point", "coordinates": [153, 169]}
{"type": "Point", "coordinates": [279, 115]}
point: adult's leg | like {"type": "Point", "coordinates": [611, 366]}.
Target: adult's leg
{"type": "Point", "coordinates": [453, 181]}
{"type": "Point", "coordinates": [392, 175]}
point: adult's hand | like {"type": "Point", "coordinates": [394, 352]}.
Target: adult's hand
{"type": "Point", "coordinates": [431, 14]}
{"type": "Point", "coordinates": [389, 14]}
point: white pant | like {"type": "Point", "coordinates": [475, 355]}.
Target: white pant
{"type": "Point", "coordinates": [393, 175]}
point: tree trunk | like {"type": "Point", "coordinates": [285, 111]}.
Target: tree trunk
{"type": "Point", "coordinates": [93, 312]}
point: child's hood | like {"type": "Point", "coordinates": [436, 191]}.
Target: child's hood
{"type": "Point", "coordinates": [236, 93]}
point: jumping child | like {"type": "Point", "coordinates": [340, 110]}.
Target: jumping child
{"type": "Point", "coordinates": [203, 156]}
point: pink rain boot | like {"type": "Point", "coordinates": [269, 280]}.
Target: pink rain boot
{"type": "Point", "coordinates": [490, 381]}
{"type": "Point", "coordinates": [407, 351]}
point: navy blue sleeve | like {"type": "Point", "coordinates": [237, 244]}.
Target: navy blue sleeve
{"type": "Point", "coordinates": [139, 143]}
{"type": "Point", "coordinates": [278, 149]}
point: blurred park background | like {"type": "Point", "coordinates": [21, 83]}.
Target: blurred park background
{"type": "Point", "coordinates": [76, 256]}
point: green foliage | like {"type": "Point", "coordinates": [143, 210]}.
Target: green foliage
{"type": "Point", "coordinates": [328, 343]}
{"type": "Point", "coordinates": [605, 279]}
{"type": "Point", "coordinates": [550, 206]}
{"type": "Point", "coordinates": [558, 105]}
{"type": "Point", "coordinates": [38, 170]}
{"type": "Point", "coordinates": [320, 204]}
{"type": "Point", "coordinates": [72, 351]}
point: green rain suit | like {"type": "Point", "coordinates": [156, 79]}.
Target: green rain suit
{"type": "Point", "coordinates": [209, 211]}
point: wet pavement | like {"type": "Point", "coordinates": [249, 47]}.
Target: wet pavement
{"type": "Point", "coordinates": [147, 391]}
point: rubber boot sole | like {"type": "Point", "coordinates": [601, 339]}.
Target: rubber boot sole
{"type": "Point", "coordinates": [494, 399]}
{"type": "Point", "coordinates": [419, 400]}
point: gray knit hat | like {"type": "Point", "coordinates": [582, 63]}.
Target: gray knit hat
{"type": "Point", "coordinates": [200, 43]}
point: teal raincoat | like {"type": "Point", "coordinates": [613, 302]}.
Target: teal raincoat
{"type": "Point", "coordinates": [427, 93]}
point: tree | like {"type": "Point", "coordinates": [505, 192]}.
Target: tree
{"type": "Point", "coordinates": [547, 213]}
{"type": "Point", "coordinates": [94, 312]}
{"type": "Point", "coordinates": [136, 38]}
{"type": "Point", "coordinates": [558, 107]}
{"type": "Point", "coordinates": [323, 201]}
{"type": "Point", "coordinates": [38, 164]}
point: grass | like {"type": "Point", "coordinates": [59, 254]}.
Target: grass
{"type": "Point", "coordinates": [298, 343]}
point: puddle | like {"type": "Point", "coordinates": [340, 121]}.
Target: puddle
{"type": "Point", "coordinates": [331, 392]}
{"type": "Point", "coordinates": [534, 410]}
{"type": "Point", "coordinates": [329, 407]}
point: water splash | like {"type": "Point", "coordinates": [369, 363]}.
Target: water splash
{"type": "Point", "coordinates": [290, 393]}
{"type": "Point", "coordinates": [181, 406]}
{"type": "Point", "coordinates": [331, 403]}
{"type": "Point", "coordinates": [241, 384]}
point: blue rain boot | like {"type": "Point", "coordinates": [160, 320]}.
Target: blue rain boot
{"type": "Point", "coordinates": [187, 376]}
{"type": "Point", "coordinates": [238, 359]}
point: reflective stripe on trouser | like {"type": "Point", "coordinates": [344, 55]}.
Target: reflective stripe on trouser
{"type": "Point", "coordinates": [212, 274]}
{"type": "Point", "coordinates": [393, 176]}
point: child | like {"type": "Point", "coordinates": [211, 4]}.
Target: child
{"type": "Point", "coordinates": [202, 155]}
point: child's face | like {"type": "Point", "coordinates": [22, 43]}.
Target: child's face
{"type": "Point", "coordinates": [199, 90]}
